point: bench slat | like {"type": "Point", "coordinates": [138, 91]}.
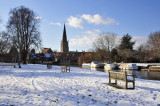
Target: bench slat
{"type": "Point", "coordinates": [113, 72]}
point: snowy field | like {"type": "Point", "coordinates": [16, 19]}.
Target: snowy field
{"type": "Point", "coordinates": [37, 85]}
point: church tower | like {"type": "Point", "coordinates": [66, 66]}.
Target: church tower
{"type": "Point", "coordinates": [64, 42]}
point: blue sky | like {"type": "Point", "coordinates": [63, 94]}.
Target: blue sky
{"type": "Point", "coordinates": [86, 19]}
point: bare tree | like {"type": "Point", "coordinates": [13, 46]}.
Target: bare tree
{"type": "Point", "coordinates": [126, 55]}
{"type": "Point", "coordinates": [13, 54]}
{"type": "Point", "coordinates": [154, 42]}
{"type": "Point", "coordinates": [106, 41]}
{"type": "Point", "coordinates": [23, 25]}
{"type": "Point", "coordinates": [4, 42]}
{"type": "Point", "coordinates": [104, 44]}
{"type": "Point", "coordinates": [143, 52]}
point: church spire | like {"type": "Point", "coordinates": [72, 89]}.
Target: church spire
{"type": "Point", "coordinates": [64, 42]}
{"type": "Point", "coordinates": [64, 39]}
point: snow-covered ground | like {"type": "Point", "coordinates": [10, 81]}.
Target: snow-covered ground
{"type": "Point", "coordinates": [37, 85]}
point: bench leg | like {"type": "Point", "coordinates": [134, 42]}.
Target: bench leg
{"type": "Point", "coordinates": [133, 82]}
{"type": "Point", "coordinates": [133, 85]}
{"type": "Point", "coordinates": [116, 82]}
{"type": "Point", "coordinates": [109, 81]}
{"type": "Point", "coordinates": [68, 70]}
{"type": "Point", "coordinates": [62, 70]}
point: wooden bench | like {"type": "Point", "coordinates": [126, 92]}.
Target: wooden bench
{"type": "Point", "coordinates": [123, 77]}
{"type": "Point", "coordinates": [65, 68]}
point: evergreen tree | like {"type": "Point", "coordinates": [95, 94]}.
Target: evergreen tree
{"type": "Point", "coordinates": [114, 55]}
{"type": "Point", "coordinates": [126, 43]}
{"type": "Point", "coordinates": [126, 49]}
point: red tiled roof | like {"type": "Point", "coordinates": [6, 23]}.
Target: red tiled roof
{"type": "Point", "coordinates": [45, 50]}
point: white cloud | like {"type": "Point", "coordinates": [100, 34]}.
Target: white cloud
{"type": "Point", "coordinates": [85, 40]}
{"type": "Point", "coordinates": [97, 19]}
{"type": "Point", "coordinates": [139, 40]}
{"type": "Point", "coordinates": [38, 18]}
{"type": "Point", "coordinates": [75, 22]}
{"type": "Point", "coordinates": [56, 23]}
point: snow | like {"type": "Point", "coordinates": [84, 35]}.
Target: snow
{"type": "Point", "coordinates": [8, 64]}
{"type": "Point", "coordinates": [37, 85]}
{"type": "Point", "coordinates": [86, 64]}
{"type": "Point", "coordinates": [146, 64]}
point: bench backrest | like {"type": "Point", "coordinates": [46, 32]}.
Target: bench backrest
{"type": "Point", "coordinates": [63, 67]}
{"type": "Point", "coordinates": [118, 75]}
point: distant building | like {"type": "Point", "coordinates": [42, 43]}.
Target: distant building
{"type": "Point", "coordinates": [62, 57]}
{"type": "Point", "coordinates": [46, 56]}
{"type": "Point", "coordinates": [48, 53]}
{"type": "Point", "coordinates": [65, 56]}
{"type": "Point", "coordinates": [47, 50]}
{"type": "Point", "coordinates": [68, 57]}
{"type": "Point", "coordinates": [64, 42]}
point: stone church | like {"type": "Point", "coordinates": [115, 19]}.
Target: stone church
{"type": "Point", "coordinates": [65, 56]}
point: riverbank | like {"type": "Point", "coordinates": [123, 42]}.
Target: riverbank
{"type": "Point", "coordinates": [37, 85]}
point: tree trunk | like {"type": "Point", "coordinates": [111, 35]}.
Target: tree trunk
{"type": "Point", "coordinates": [25, 55]}
{"type": "Point", "coordinates": [19, 59]}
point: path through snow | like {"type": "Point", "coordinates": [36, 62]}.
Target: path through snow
{"type": "Point", "coordinates": [37, 85]}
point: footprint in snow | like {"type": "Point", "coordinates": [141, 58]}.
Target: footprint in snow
{"type": "Point", "coordinates": [56, 100]}
{"type": "Point", "coordinates": [94, 100]}
{"type": "Point", "coordinates": [115, 102]}
{"type": "Point", "coordinates": [83, 97]}
{"type": "Point", "coordinates": [155, 96]}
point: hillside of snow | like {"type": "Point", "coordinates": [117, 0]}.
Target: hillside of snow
{"type": "Point", "coordinates": [37, 85]}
